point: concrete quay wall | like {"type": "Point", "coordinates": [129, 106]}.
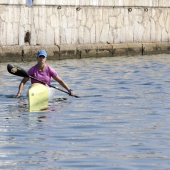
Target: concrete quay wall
{"type": "Point", "coordinates": [83, 28]}
{"type": "Point", "coordinates": [28, 53]}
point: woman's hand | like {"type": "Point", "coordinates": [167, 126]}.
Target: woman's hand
{"type": "Point", "coordinates": [71, 93]}
{"type": "Point", "coordinates": [18, 95]}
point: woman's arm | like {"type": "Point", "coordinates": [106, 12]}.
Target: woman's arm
{"type": "Point", "coordinates": [21, 85]}
{"type": "Point", "coordinates": [63, 84]}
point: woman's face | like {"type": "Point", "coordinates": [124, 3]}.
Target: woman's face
{"type": "Point", "coordinates": [41, 59]}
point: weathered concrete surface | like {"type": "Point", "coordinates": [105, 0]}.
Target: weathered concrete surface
{"type": "Point", "coordinates": [48, 25]}
{"type": "Point", "coordinates": [83, 28]}
{"type": "Point", "coordinates": [28, 53]}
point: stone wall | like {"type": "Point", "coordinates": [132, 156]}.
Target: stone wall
{"type": "Point", "coordinates": [77, 28]}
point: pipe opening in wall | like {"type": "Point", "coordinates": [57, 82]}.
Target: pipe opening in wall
{"type": "Point", "coordinates": [146, 9]}
{"type": "Point", "coordinates": [27, 38]}
{"type": "Point", "coordinates": [78, 8]}
{"type": "Point", "coordinates": [59, 7]}
{"type": "Point", "coordinates": [129, 9]}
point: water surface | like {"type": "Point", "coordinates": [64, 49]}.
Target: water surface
{"type": "Point", "coordinates": [127, 128]}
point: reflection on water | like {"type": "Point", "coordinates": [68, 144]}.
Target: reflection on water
{"type": "Point", "coordinates": [120, 121]}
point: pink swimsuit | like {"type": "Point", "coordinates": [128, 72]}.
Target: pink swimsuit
{"type": "Point", "coordinates": [44, 75]}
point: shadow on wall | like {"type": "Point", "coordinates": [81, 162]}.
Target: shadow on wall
{"type": "Point", "coordinates": [27, 38]}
